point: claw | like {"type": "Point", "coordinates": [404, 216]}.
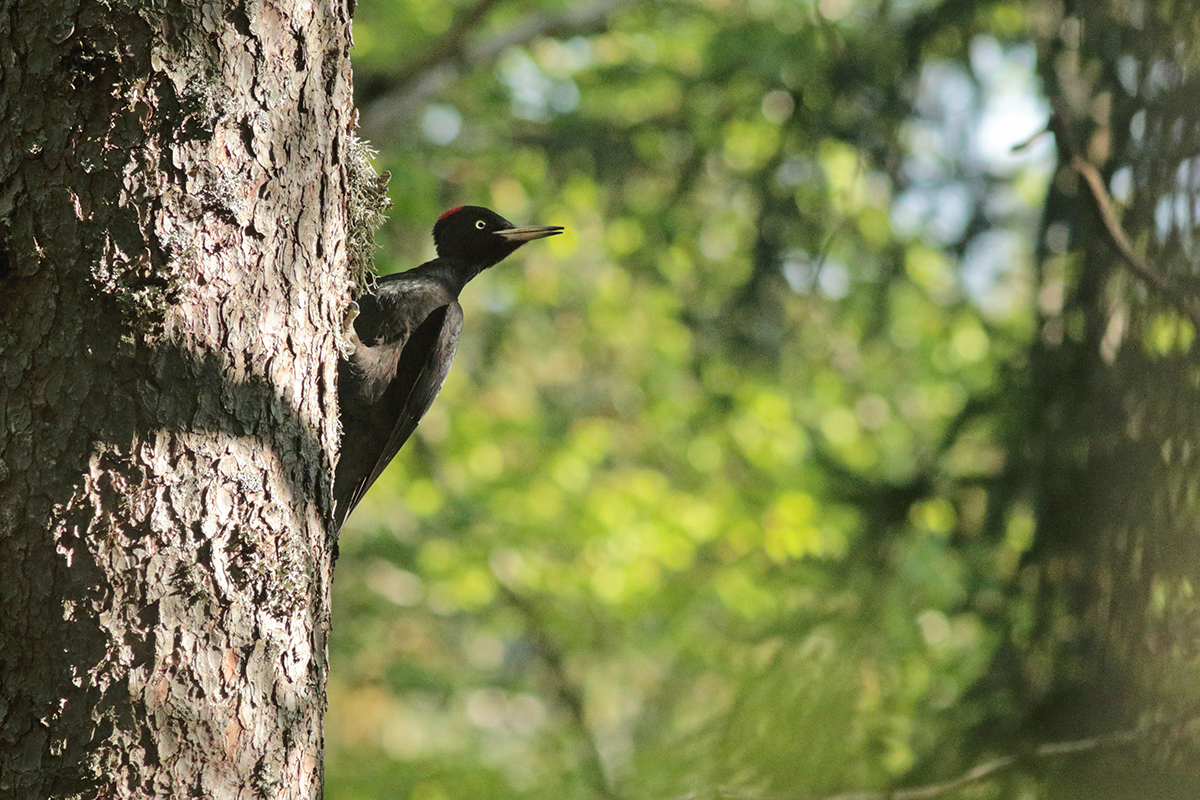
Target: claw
{"type": "Point", "coordinates": [350, 341]}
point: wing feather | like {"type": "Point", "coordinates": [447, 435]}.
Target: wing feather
{"type": "Point", "coordinates": [381, 428]}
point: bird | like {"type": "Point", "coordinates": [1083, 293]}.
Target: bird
{"type": "Point", "coordinates": [402, 341]}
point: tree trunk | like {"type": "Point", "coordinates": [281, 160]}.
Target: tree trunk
{"type": "Point", "coordinates": [173, 275]}
{"type": "Point", "coordinates": [1117, 552]}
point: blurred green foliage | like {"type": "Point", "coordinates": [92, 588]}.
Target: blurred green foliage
{"type": "Point", "coordinates": [706, 507]}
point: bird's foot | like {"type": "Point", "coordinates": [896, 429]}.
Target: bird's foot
{"type": "Point", "coordinates": [349, 341]}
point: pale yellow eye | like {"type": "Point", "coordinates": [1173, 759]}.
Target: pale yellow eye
{"type": "Point", "coordinates": [480, 224]}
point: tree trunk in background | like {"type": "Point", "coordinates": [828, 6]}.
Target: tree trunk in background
{"type": "Point", "coordinates": [172, 279]}
{"type": "Point", "coordinates": [1116, 474]}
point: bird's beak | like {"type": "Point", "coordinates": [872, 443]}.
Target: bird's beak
{"type": "Point", "coordinates": [528, 233]}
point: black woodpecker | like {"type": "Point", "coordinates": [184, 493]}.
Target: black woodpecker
{"type": "Point", "coordinates": [403, 342]}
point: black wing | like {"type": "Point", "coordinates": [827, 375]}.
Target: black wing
{"type": "Point", "coordinates": [373, 432]}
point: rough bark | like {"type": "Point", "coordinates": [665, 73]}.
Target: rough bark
{"type": "Point", "coordinates": [172, 278]}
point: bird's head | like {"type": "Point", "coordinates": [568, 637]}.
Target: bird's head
{"type": "Point", "coordinates": [482, 237]}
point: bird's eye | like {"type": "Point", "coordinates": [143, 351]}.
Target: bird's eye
{"type": "Point", "coordinates": [481, 224]}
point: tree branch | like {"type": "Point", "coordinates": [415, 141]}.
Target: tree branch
{"type": "Point", "coordinates": [581, 18]}
{"type": "Point", "coordinates": [448, 46]}
{"type": "Point", "coordinates": [924, 26]}
{"type": "Point", "coordinates": [444, 61]}
{"type": "Point", "coordinates": [562, 689]}
{"type": "Point", "coordinates": [990, 769]}
{"type": "Point", "coordinates": [1106, 210]}
{"type": "Point", "coordinates": [1154, 279]}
